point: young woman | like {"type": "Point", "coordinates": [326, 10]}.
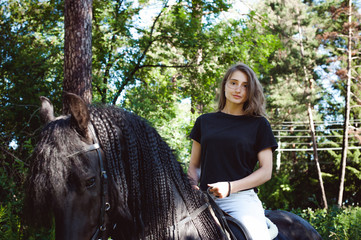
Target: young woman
{"type": "Point", "coordinates": [227, 146]}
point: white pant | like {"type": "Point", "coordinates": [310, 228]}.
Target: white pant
{"type": "Point", "coordinates": [246, 207]}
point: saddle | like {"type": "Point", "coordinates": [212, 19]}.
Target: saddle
{"type": "Point", "coordinates": [234, 229]}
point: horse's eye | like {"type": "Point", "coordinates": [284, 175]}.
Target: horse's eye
{"type": "Point", "coordinates": [90, 182]}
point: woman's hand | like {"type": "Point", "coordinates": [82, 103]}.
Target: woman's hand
{"type": "Point", "coordinates": [195, 187]}
{"type": "Point", "coordinates": [220, 189]}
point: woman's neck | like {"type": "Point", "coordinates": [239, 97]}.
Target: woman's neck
{"type": "Point", "coordinates": [233, 110]}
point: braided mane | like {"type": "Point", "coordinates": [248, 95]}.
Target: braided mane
{"type": "Point", "coordinates": [145, 177]}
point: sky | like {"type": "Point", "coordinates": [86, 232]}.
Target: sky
{"type": "Point", "coordinates": [238, 9]}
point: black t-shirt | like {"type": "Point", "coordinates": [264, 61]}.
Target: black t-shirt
{"type": "Point", "coordinates": [229, 145]}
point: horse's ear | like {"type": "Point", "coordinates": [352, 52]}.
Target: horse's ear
{"type": "Point", "coordinates": [46, 110]}
{"type": "Point", "coordinates": [79, 113]}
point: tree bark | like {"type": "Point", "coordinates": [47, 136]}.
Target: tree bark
{"type": "Point", "coordinates": [315, 156]}
{"type": "Point", "coordinates": [347, 108]}
{"type": "Point", "coordinates": [77, 50]}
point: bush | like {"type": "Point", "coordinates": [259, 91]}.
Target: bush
{"type": "Point", "coordinates": [334, 223]}
{"type": "Point", "coordinates": [12, 227]}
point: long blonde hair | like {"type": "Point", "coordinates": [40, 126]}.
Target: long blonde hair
{"type": "Point", "coordinates": [255, 104]}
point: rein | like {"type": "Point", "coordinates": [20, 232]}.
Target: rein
{"type": "Point", "coordinates": [105, 206]}
{"type": "Point", "coordinates": [189, 218]}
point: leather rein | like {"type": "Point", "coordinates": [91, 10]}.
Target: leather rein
{"type": "Point", "coordinates": [105, 206]}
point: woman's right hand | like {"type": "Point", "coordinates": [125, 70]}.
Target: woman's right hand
{"type": "Point", "coordinates": [220, 189]}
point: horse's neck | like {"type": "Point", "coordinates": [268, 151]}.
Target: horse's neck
{"type": "Point", "coordinates": [185, 229]}
{"type": "Point", "coordinates": [181, 209]}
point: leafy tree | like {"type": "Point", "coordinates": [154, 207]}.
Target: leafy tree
{"type": "Point", "coordinates": [294, 88]}
{"type": "Point", "coordinates": [340, 36]}
{"type": "Point", "coordinates": [30, 66]}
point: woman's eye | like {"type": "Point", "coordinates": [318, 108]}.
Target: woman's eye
{"type": "Point", "coordinates": [90, 182]}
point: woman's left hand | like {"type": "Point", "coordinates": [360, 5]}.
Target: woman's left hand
{"type": "Point", "coordinates": [220, 189]}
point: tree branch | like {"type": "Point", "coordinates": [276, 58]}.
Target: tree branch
{"type": "Point", "coordinates": [353, 106]}
{"type": "Point", "coordinates": [140, 59]}
{"type": "Point", "coordinates": [357, 98]}
{"type": "Point", "coordinates": [342, 49]}
{"type": "Point", "coordinates": [12, 155]}
{"type": "Point", "coordinates": [165, 66]}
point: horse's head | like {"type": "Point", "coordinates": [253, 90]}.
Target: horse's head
{"type": "Point", "coordinates": [147, 185]}
{"type": "Point", "coordinates": [66, 178]}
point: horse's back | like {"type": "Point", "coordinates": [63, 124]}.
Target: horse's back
{"type": "Point", "coordinates": [292, 226]}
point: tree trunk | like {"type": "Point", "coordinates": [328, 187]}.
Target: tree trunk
{"type": "Point", "coordinates": [77, 50]}
{"type": "Point", "coordinates": [312, 125]}
{"type": "Point", "coordinates": [347, 109]}
{"type": "Point", "coordinates": [315, 156]}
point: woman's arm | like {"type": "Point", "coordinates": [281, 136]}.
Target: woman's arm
{"type": "Point", "coordinates": [258, 177]}
{"type": "Point", "coordinates": [195, 164]}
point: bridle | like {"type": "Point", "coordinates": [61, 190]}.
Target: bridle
{"type": "Point", "coordinates": [105, 206]}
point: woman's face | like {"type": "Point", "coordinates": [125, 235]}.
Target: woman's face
{"type": "Point", "coordinates": [236, 88]}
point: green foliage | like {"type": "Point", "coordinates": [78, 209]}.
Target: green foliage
{"type": "Point", "coordinates": [10, 226]}
{"type": "Point", "coordinates": [292, 82]}
{"type": "Point", "coordinates": [168, 71]}
{"type": "Point", "coordinates": [158, 101]}
{"type": "Point", "coordinates": [335, 223]}
{"type": "Point", "coordinates": [294, 185]}
{"type": "Point", "coordinates": [333, 35]}
{"type": "Point", "coordinates": [30, 66]}
{"type": "Point", "coordinates": [279, 197]}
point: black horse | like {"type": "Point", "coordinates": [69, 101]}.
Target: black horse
{"type": "Point", "coordinates": [104, 172]}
